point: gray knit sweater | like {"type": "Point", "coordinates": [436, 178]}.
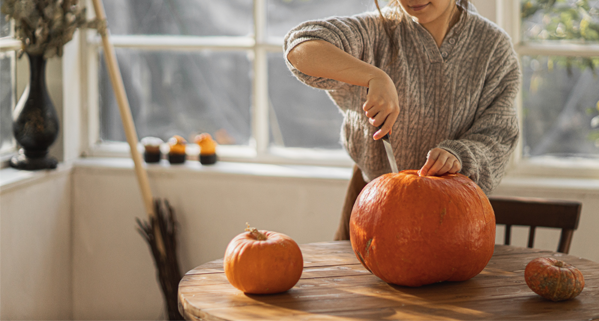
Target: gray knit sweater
{"type": "Point", "coordinates": [459, 97]}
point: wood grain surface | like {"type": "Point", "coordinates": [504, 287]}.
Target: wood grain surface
{"type": "Point", "coordinates": [335, 286]}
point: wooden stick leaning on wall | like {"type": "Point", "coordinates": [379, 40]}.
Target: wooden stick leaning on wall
{"type": "Point", "coordinates": [125, 111]}
{"type": "Point", "coordinates": [160, 230]}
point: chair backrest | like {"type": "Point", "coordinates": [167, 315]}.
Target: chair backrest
{"type": "Point", "coordinates": [535, 212]}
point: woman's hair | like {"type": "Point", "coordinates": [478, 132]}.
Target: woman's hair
{"type": "Point", "coordinates": [390, 20]}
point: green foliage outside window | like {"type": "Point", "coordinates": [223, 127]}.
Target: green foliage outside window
{"type": "Point", "coordinates": [572, 21]}
{"type": "Point", "coordinates": [563, 19]}
{"type": "Point", "coordinates": [562, 22]}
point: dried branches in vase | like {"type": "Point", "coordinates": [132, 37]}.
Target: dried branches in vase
{"type": "Point", "coordinates": [44, 26]}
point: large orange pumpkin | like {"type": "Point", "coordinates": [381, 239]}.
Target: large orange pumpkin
{"type": "Point", "coordinates": [553, 279]}
{"type": "Point", "coordinates": [263, 262]}
{"type": "Point", "coordinates": [414, 230]}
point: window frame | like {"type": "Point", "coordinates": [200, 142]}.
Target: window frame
{"type": "Point", "coordinates": [10, 45]}
{"type": "Point", "coordinates": [506, 13]}
{"type": "Point", "coordinates": [258, 45]}
{"type": "Point", "coordinates": [508, 18]}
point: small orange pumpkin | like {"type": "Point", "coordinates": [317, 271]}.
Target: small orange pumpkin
{"type": "Point", "coordinates": [414, 230]}
{"type": "Point", "coordinates": [177, 145]}
{"type": "Point", "coordinates": [206, 143]}
{"type": "Point", "coordinates": [263, 262]}
{"type": "Point", "coordinates": [553, 279]}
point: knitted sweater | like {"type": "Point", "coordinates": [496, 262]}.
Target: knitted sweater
{"type": "Point", "coordinates": [459, 97]}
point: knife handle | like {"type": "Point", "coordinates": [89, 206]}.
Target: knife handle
{"type": "Point", "coordinates": [386, 135]}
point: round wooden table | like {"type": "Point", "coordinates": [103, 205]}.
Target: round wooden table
{"type": "Point", "coordinates": [335, 286]}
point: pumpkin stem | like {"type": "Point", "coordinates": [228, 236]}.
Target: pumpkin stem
{"type": "Point", "coordinates": [559, 264]}
{"type": "Point", "coordinates": [254, 231]}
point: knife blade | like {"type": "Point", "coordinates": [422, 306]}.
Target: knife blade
{"type": "Point", "coordinates": [390, 155]}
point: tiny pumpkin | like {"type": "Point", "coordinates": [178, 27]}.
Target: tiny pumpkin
{"type": "Point", "coordinates": [206, 143]}
{"type": "Point", "coordinates": [553, 279]}
{"type": "Point", "coordinates": [177, 145]}
{"type": "Point", "coordinates": [414, 230]}
{"type": "Point", "coordinates": [263, 262]}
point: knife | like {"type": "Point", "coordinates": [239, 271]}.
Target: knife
{"type": "Point", "coordinates": [390, 155]}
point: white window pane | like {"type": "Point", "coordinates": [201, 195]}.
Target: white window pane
{"type": "Point", "coordinates": [574, 20]}
{"type": "Point", "coordinates": [6, 101]}
{"type": "Point", "coordinates": [179, 17]}
{"type": "Point", "coordinates": [180, 93]}
{"type": "Point", "coordinates": [4, 26]}
{"type": "Point", "coordinates": [560, 106]}
{"type": "Point", "coordinates": [301, 116]}
{"type": "Point", "coordinates": [283, 15]}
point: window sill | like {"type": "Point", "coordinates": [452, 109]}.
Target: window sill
{"type": "Point", "coordinates": [548, 184]}
{"type": "Point", "coordinates": [5, 159]}
{"type": "Point", "coordinates": [11, 178]}
{"type": "Point", "coordinates": [239, 154]}
{"type": "Point", "coordinates": [221, 167]}
{"type": "Point", "coordinates": [554, 167]}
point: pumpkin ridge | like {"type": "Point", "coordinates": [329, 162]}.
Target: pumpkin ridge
{"type": "Point", "coordinates": [558, 286]}
{"type": "Point", "coordinates": [368, 246]}
{"type": "Point", "coordinates": [572, 283]}
{"type": "Point", "coordinates": [362, 260]}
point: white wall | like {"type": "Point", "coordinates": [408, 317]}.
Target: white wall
{"type": "Point", "coordinates": [486, 8]}
{"type": "Point", "coordinates": [35, 242]}
{"type": "Point", "coordinates": [114, 275]}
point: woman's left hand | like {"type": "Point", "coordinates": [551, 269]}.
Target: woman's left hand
{"type": "Point", "coordinates": [440, 162]}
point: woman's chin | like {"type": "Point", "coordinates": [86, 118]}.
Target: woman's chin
{"type": "Point", "coordinates": [422, 19]}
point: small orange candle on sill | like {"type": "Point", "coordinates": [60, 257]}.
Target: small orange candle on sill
{"type": "Point", "coordinates": [207, 149]}
{"type": "Point", "coordinates": [177, 153]}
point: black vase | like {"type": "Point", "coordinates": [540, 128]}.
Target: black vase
{"type": "Point", "coordinates": [35, 126]}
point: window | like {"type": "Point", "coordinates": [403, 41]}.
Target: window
{"type": "Point", "coordinates": [217, 66]}
{"type": "Point", "coordinates": [559, 52]}
{"type": "Point", "coordinates": [8, 90]}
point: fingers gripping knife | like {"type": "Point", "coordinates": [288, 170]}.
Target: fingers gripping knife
{"type": "Point", "coordinates": [389, 150]}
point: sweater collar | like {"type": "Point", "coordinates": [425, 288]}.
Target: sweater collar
{"type": "Point", "coordinates": [423, 39]}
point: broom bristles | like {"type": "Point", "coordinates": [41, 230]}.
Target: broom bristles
{"type": "Point", "coordinates": [167, 265]}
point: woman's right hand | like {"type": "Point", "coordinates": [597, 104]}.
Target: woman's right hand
{"type": "Point", "coordinates": [319, 58]}
{"type": "Point", "coordinates": [382, 104]}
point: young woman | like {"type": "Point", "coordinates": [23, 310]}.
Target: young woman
{"type": "Point", "coordinates": [439, 79]}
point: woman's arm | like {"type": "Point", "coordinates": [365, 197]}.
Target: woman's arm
{"type": "Point", "coordinates": [484, 150]}
{"type": "Point", "coordinates": [318, 58]}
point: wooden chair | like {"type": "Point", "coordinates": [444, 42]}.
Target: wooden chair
{"type": "Point", "coordinates": [535, 213]}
